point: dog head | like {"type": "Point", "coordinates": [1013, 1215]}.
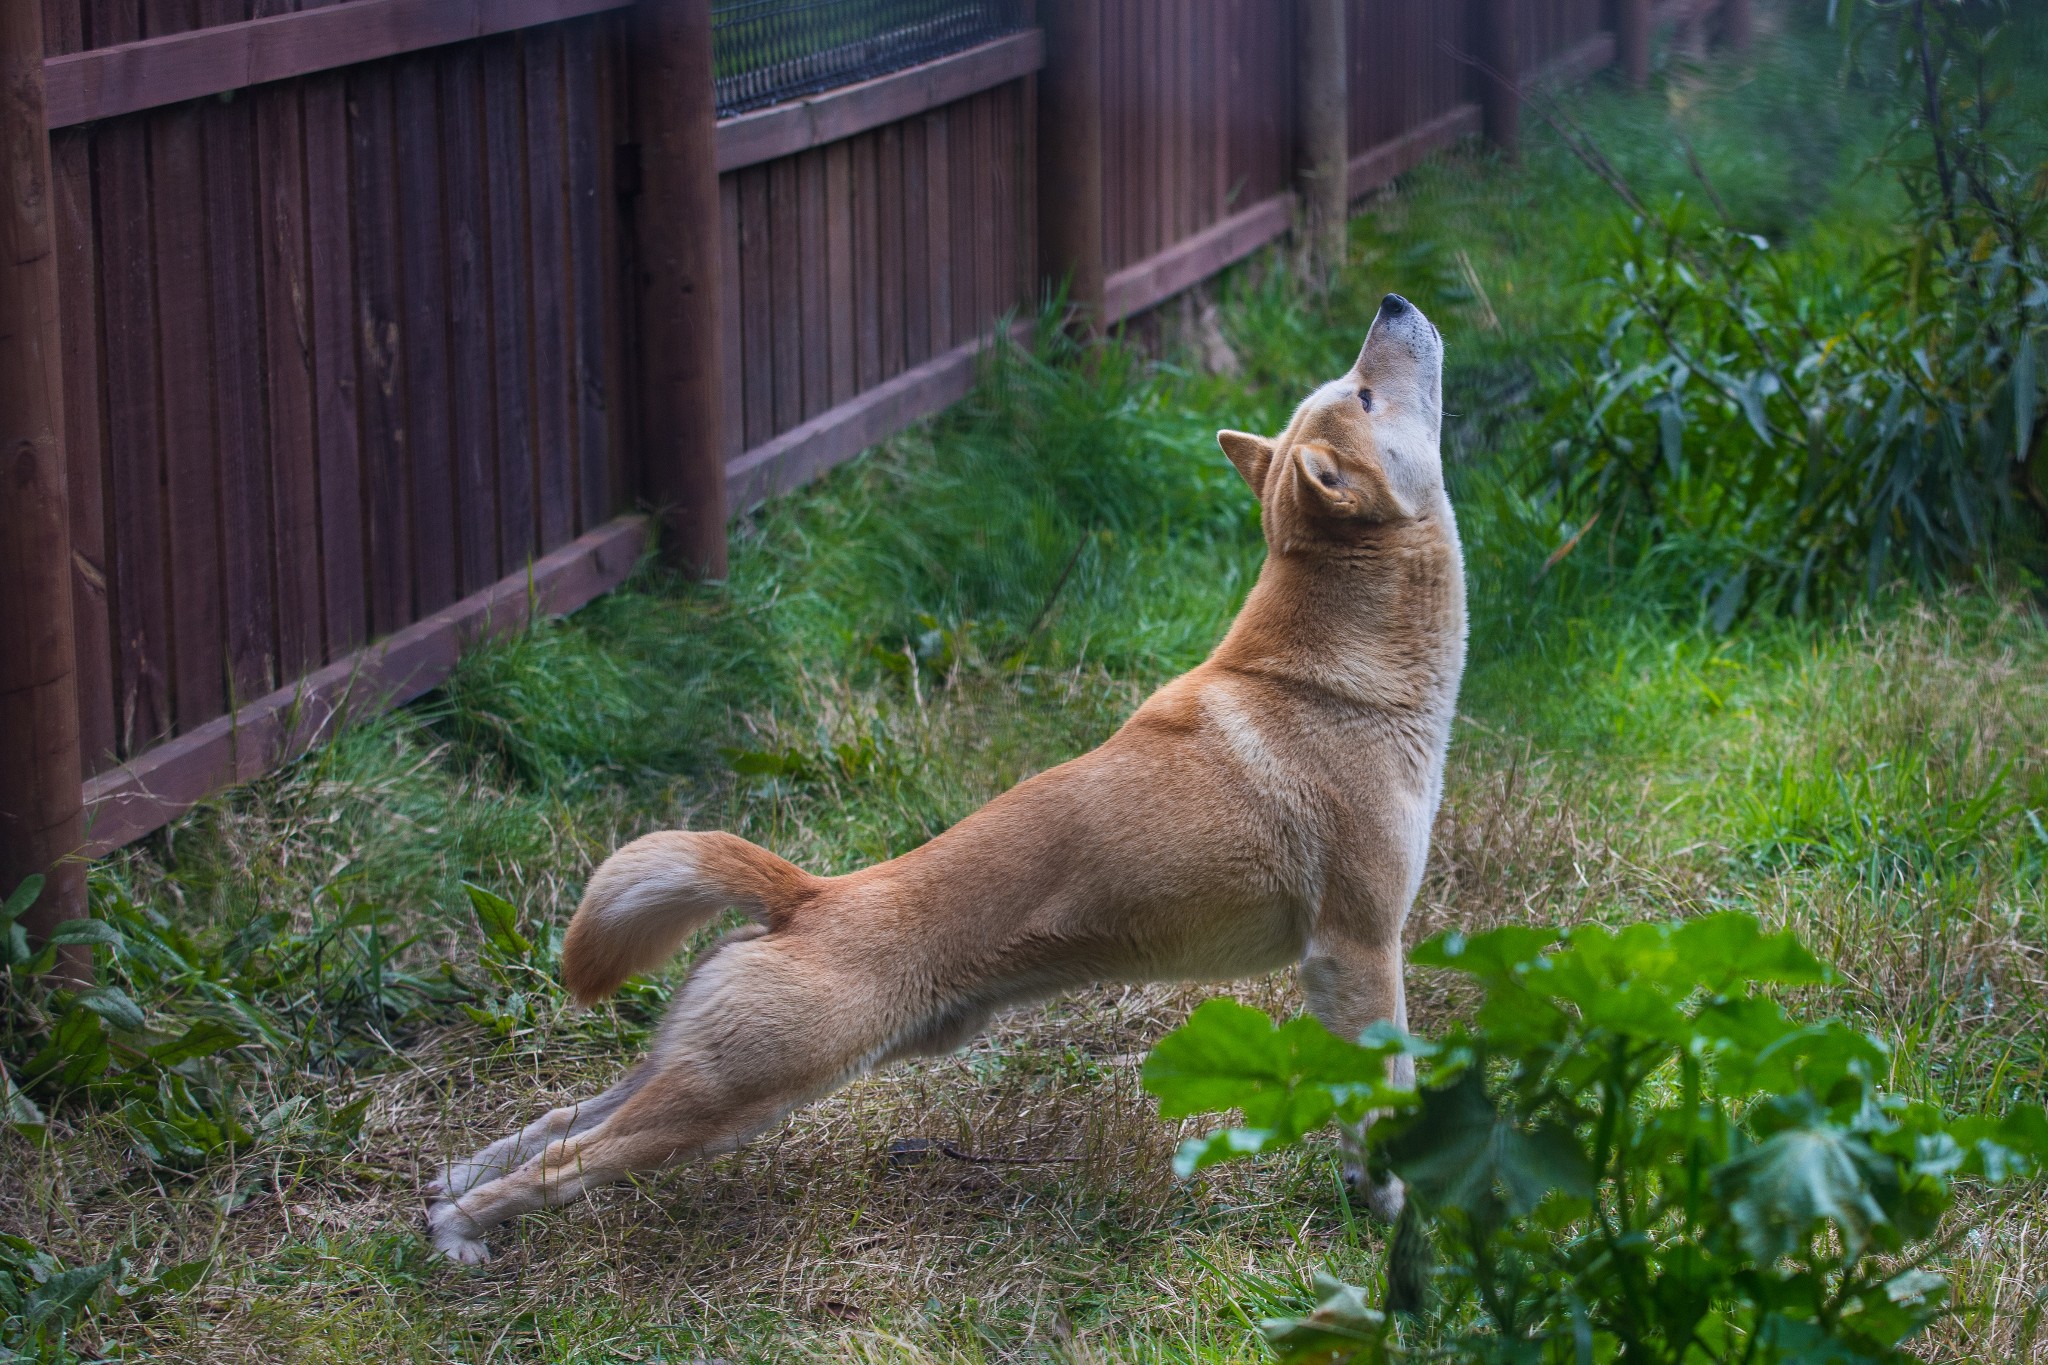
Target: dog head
{"type": "Point", "coordinates": [1361, 452]}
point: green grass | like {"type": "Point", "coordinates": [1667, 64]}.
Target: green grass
{"type": "Point", "coordinates": [906, 639]}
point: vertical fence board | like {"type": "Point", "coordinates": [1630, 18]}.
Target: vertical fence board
{"type": "Point", "coordinates": [288, 377]}
{"type": "Point", "coordinates": [185, 338]}
{"type": "Point", "coordinates": [1110, 91]}
{"type": "Point", "coordinates": [511, 317]}
{"type": "Point", "coordinates": [139, 581]}
{"type": "Point", "coordinates": [917, 316]}
{"type": "Point", "coordinates": [732, 320]}
{"type": "Point", "coordinates": [84, 434]}
{"type": "Point", "coordinates": [72, 239]}
{"type": "Point", "coordinates": [619, 337]}
{"type": "Point", "coordinates": [814, 284]}
{"type": "Point", "coordinates": [866, 264]}
{"type": "Point", "coordinates": [889, 247]}
{"type": "Point", "coordinates": [330, 250]}
{"type": "Point", "coordinates": [938, 162]}
{"type": "Point", "coordinates": [785, 291]}
{"type": "Point", "coordinates": [387, 560]}
{"type": "Point", "coordinates": [548, 231]}
{"type": "Point", "coordinates": [587, 275]}
{"type": "Point", "coordinates": [423, 334]}
{"type": "Point", "coordinates": [839, 290]}
{"type": "Point", "coordinates": [757, 306]}
{"type": "Point", "coordinates": [471, 400]}
{"type": "Point", "coordinates": [996, 152]}
{"type": "Point", "coordinates": [963, 149]}
{"type": "Point", "coordinates": [235, 257]}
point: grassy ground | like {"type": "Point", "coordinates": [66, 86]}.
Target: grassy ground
{"type": "Point", "coordinates": [979, 600]}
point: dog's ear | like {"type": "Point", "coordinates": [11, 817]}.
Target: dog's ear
{"type": "Point", "coordinates": [1358, 491]}
{"type": "Point", "coordinates": [1253, 456]}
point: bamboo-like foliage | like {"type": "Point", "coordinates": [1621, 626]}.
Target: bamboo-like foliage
{"type": "Point", "coordinates": [1793, 449]}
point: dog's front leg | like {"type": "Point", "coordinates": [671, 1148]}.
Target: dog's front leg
{"type": "Point", "coordinates": [1352, 978]}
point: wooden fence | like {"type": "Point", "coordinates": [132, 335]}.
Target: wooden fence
{"type": "Point", "coordinates": [376, 321]}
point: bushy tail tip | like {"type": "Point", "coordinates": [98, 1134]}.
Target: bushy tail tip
{"type": "Point", "coordinates": [651, 895]}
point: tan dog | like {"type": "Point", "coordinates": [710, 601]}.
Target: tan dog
{"type": "Point", "coordinates": [1273, 805]}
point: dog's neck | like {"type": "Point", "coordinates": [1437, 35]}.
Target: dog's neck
{"type": "Point", "coordinates": [1376, 621]}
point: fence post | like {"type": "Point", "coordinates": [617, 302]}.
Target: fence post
{"type": "Point", "coordinates": [1070, 157]}
{"type": "Point", "coordinates": [1737, 24]}
{"type": "Point", "coordinates": [41, 817]}
{"type": "Point", "coordinates": [1322, 122]}
{"type": "Point", "coordinates": [678, 227]}
{"type": "Point", "coordinates": [1632, 37]}
{"type": "Point", "coordinates": [1501, 83]}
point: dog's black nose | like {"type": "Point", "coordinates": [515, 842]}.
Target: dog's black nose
{"type": "Point", "coordinates": [1393, 305]}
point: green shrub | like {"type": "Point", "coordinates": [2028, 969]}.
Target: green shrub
{"type": "Point", "coordinates": [1632, 1152]}
{"type": "Point", "coordinates": [1784, 442]}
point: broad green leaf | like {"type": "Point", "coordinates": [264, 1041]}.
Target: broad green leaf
{"type": "Point", "coordinates": [202, 1039]}
{"type": "Point", "coordinates": [112, 1004]}
{"type": "Point", "coordinates": [1462, 1152]}
{"type": "Point", "coordinates": [1200, 1153]}
{"type": "Point", "coordinates": [94, 931]}
{"type": "Point", "coordinates": [176, 1279]}
{"type": "Point", "coordinates": [1671, 435]}
{"type": "Point", "coordinates": [21, 898]}
{"type": "Point", "coordinates": [16, 1107]}
{"type": "Point", "coordinates": [1780, 1189]}
{"type": "Point", "coordinates": [499, 919]}
{"type": "Point", "coordinates": [62, 1298]}
{"type": "Point", "coordinates": [1490, 956]}
{"type": "Point", "coordinates": [1833, 1062]}
{"type": "Point", "coordinates": [1341, 1327]}
{"type": "Point", "coordinates": [75, 1053]}
{"type": "Point", "coordinates": [2004, 1147]}
{"type": "Point", "coordinates": [1287, 1079]}
{"type": "Point", "coordinates": [1729, 948]}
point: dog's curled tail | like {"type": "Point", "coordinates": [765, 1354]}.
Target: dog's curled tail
{"type": "Point", "coordinates": [658, 890]}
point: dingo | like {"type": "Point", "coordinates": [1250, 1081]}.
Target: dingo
{"type": "Point", "coordinates": [1272, 806]}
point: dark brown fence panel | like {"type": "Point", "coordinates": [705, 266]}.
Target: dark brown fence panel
{"type": "Point", "coordinates": [348, 311]}
{"type": "Point", "coordinates": [1409, 65]}
{"type": "Point", "coordinates": [1197, 118]}
{"type": "Point", "coordinates": [852, 263]}
{"type": "Point", "coordinates": [1552, 28]}
{"type": "Point", "coordinates": [343, 350]}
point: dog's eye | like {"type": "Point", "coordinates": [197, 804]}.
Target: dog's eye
{"type": "Point", "coordinates": [1365, 399]}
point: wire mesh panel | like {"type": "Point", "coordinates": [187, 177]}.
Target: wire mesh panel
{"type": "Point", "coordinates": [768, 51]}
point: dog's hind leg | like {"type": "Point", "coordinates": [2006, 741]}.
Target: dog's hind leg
{"type": "Point", "coordinates": [759, 1028]}
{"type": "Point", "coordinates": [508, 1154]}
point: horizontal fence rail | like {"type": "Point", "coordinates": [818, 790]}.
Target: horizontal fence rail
{"type": "Point", "coordinates": [384, 323]}
{"type": "Point", "coordinates": [125, 78]}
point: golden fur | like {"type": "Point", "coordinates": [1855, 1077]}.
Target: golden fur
{"type": "Point", "coordinates": [1272, 806]}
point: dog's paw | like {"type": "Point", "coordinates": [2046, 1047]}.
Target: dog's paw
{"type": "Point", "coordinates": [1382, 1198]}
{"type": "Point", "coordinates": [455, 1234]}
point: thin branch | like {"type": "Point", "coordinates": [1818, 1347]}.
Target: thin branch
{"type": "Point", "coordinates": [1537, 99]}
{"type": "Point", "coordinates": [1699, 173]}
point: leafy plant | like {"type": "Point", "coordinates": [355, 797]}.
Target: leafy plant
{"type": "Point", "coordinates": [42, 1301]}
{"type": "Point", "coordinates": [1632, 1152]}
{"type": "Point", "coordinates": [1788, 442]}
